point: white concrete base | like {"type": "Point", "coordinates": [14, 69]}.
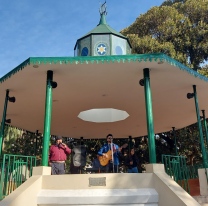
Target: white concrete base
{"type": "Point", "coordinates": [108, 205]}
{"type": "Point", "coordinates": [42, 170]}
{"type": "Point", "coordinates": [98, 197]}
{"type": "Point", "coordinates": [203, 182]}
{"type": "Point", "coordinates": [201, 199]}
{"type": "Point", "coordinates": [153, 168]}
{"type": "Point", "coordinates": [170, 193]}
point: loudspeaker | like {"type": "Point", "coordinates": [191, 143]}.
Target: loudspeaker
{"type": "Point", "coordinates": [79, 157]}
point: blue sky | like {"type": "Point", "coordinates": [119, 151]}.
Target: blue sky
{"type": "Point", "coordinates": [47, 28]}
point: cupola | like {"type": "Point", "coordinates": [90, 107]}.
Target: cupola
{"type": "Point", "coordinates": [102, 40]}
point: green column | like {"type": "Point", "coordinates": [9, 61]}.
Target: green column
{"type": "Point", "coordinates": [176, 151]}
{"type": "Point", "coordinates": [47, 123]}
{"type": "Point", "coordinates": [3, 121]}
{"type": "Point", "coordinates": [204, 156]}
{"type": "Point", "coordinates": [205, 126]}
{"type": "Point", "coordinates": [149, 114]}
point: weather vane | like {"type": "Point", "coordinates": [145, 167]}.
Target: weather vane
{"type": "Point", "coordinates": [103, 8]}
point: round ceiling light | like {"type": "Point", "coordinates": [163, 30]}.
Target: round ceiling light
{"type": "Point", "coordinates": [103, 115]}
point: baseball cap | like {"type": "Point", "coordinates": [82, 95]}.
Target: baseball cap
{"type": "Point", "coordinates": [58, 137]}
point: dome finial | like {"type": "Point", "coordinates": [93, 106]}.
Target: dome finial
{"type": "Point", "coordinates": [103, 13]}
{"type": "Point", "coordinates": [103, 9]}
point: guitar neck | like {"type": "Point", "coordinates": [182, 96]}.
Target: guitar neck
{"type": "Point", "coordinates": [116, 150]}
{"type": "Point", "coordinates": [124, 146]}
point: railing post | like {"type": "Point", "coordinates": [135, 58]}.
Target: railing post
{"type": "Point", "coordinates": [205, 126]}
{"type": "Point", "coordinates": [149, 115]}
{"type": "Point", "coordinates": [47, 123]}
{"type": "Point", "coordinates": [204, 156]}
{"type": "Point", "coordinates": [36, 143]}
{"type": "Point", "coordinates": [176, 151]}
{"type": "Point", "coordinates": [3, 121]}
{"type": "Point", "coordinates": [2, 178]}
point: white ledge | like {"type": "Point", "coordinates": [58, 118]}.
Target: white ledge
{"type": "Point", "coordinates": [98, 197]}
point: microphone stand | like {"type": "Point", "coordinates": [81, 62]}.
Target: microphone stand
{"type": "Point", "coordinates": [112, 153]}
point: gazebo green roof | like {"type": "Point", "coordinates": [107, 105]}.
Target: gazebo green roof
{"type": "Point", "coordinates": [103, 28]}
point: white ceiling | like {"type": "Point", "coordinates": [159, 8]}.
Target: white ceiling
{"type": "Point", "coordinates": [83, 87]}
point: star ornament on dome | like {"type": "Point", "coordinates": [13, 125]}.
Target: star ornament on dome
{"type": "Point", "coordinates": [101, 49]}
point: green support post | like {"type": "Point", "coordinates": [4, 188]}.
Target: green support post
{"type": "Point", "coordinates": [205, 126]}
{"type": "Point", "coordinates": [176, 151]}
{"type": "Point", "coordinates": [149, 114]}
{"type": "Point", "coordinates": [204, 156]}
{"type": "Point", "coordinates": [47, 123]}
{"type": "Point", "coordinates": [3, 121]}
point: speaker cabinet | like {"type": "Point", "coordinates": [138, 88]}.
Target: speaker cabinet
{"type": "Point", "coordinates": [79, 156]}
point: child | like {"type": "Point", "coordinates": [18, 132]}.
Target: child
{"type": "Point", "coordinates": [132, 162]}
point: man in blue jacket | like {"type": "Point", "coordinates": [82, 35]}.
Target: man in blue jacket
{"type": "Point", "coordinates": [112, 163]}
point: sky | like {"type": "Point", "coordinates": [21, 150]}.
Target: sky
{"type": "Point", "coordinates": [50, 28]}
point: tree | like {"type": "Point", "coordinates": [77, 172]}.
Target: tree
{"type": "Point", "coordinates": [179, 30]}
{"type": "Point", "coordinates": [171, 2]}
{"type": "Point", "coordinates": [204, 70]}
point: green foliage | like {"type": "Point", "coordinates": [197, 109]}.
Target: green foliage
{"type": "Point", "coordinates": [20, 142]}
{"type": "Point", "coordinates": [179, 30]}
{"type": "Point", "coordinates": [204, 70]}
{"type": "Point", "coordinates": [171, 2]}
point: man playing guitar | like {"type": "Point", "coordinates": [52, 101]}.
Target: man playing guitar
{"type": "Point", "coordinates": [112, 166]}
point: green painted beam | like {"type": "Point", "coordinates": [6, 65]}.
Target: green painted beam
{"type": "Point", "coordinates": [205, 126]}
{"type": "Point", "coordinates": [47, 123]}
{"type": "Point", "coordinates": [3, 121]}
{"type": "Point", "coordinates": [149, 114]}
{"type": "Point", "coordinates": [204, 156]}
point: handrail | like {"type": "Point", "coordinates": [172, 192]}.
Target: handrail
{"type": "Point", "coordinates": [15, 169]}
{"type": "Point", "coordinates": [175, 167]}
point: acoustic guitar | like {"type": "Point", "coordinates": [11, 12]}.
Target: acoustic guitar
{"type": "Point", "coordinates": [104, 161]}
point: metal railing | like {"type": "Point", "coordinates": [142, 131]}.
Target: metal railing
{"type": "Point", "coordinates": [193, 170]}
{"type": "Point", "coordinates": [175, 167]}
{"type": "Point", "coordinates": [15, 170]}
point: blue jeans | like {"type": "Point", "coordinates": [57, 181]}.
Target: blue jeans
{"type": "Point", "coordinates": [109, 168]}
{"type": "Point", "coordinates": [133, 170]}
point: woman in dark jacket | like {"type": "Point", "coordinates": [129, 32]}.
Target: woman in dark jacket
{"type": "Point", "coordinates": [132, 162]}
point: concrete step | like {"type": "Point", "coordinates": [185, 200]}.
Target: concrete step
{"type": "Point", "coordinates": [203, 200]}
{"type": "Point", "coordinates": [98, 197]}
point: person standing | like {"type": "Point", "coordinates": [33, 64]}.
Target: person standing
{"type": "Point", "coordinates": [132, 162]}
{"type": "Point", "coordinates": [113, 164]}
{"type": "Point", "coordinates": [57, 156]}
{"type": "Point", "coordinates": [96, 163]}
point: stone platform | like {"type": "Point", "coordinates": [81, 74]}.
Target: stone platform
{"type": "Point", "coordinates": [152, 188]}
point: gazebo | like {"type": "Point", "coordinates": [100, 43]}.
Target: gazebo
{"type": "Point", "coordinates": [99, 92]}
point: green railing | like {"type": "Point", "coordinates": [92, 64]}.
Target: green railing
{"type": "Point", "coordinates": [15, 170]}
{"type": "Point", "coordinates": [193, 170]}
{"type": "Point", "coordinates": [175, 167]}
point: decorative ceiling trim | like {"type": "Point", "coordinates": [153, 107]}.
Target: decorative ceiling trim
{"type": "Point", "coordinates": [104, 59]}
